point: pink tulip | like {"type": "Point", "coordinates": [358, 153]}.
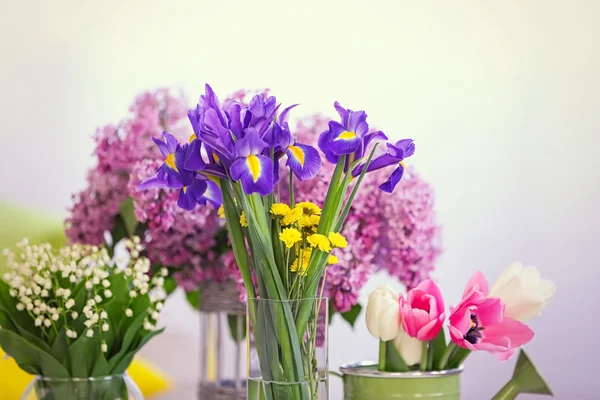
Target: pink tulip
{"type": "Point", "coordinates": [478, 322]}
{"type": "Point", "coordinates": [423, 312]}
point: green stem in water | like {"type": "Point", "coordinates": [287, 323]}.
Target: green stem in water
{"type": "Point", "coordinates": [381, 356]}
{"type": "Point", "coordinates": [423, 365]}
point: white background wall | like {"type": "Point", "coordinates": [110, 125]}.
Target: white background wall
{"type": "Point", "coordinates": [502, 99]}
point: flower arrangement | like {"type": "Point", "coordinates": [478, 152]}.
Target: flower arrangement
{"type": "Point", "coordinates": [77, 312]}
{"type": "Point", "coordinates": [191, 244]}
{"type": "Point", "coordinates": [410, 329]}
{"type": "Point", "coordinates": [284, 246]}
{"type": "Point", "coordinates": [380, 227]}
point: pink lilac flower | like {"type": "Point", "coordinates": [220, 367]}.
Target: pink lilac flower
{"type": "Point", "coordinates": [125, 156]}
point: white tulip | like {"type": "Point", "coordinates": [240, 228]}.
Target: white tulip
{"type": "Point", "coordinates": [383, 313]}
{"type": "Point", "coordinates": [523, 291]}
{"type": "Point", "coordinates": [409, 348]}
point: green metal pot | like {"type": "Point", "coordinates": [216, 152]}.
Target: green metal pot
{"type": "Point", "coordinates": [362, 381]}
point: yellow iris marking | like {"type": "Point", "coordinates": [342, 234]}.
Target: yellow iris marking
{"type": "Point", "coordinates": [184, 189]}
{"type": "Point", "coordinates": [298, 153]}
{"type": "Point", "coordinates": [346, 135]}
{"type": "Point", "coordinates": [253, 166]}
{"type": "Point", "coordinates": [170, 161]}
{"type": "Point", "coordinates": [191, 138]}
{"type": "Point", "coordinates": [216, 158]}
{"type": "Point", "coordinates": [402, 163]}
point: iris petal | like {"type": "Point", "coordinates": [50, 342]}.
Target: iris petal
{"type": "Point", "coordinates": [256, 175]}
{"type": "Point", "coordinates": [304, 161]}
{"type": "Point", "coordinates": [389, 185]}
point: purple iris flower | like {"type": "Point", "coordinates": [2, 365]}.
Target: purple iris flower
{"type": "Point", "coordinates": [395, 155]}
{"type": "Point", "coordinates": [172, 173]}
{"type": "Point", "coordinates": [351, 136]}
{"type": "Point", "coordinates": [251, 167]}
{"type": "Point", "coordinates": [212, 195]}
{"type": "Point", "coordinates": [303, 160]}
{"type": "Point", "coordinates": [192, 194]}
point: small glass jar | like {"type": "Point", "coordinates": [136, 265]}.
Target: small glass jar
{"type": "Point", "coordinates": [222, 352]}
{"type": "Point", "coordinates": [115, 387]}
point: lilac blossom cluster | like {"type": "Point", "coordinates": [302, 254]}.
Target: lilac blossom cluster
{"type": "Point", "coordinates": [125, 156]}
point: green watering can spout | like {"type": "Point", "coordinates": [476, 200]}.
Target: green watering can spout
{"type": "Point", "coordinates": [525, 379]}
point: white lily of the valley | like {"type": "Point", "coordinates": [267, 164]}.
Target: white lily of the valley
{"type": "Point", "coordinates": [409, 348]}
{"type": "Point", "coordinates": [383, 313]}
{"type": "Point", "coordinates": [523, 291]}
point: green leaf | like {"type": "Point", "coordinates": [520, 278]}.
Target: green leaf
{"type": "Point", "coordinates": [123, 364]}
{"type": "Point", "coordinates": [193, 298]}
{"type": "Point", "coordinates": [437, 346]}
{"type": "Point", "coordinates": [233, 320]}
{"type": "Point", "coordinates": [100, 366]}
{"type": "Point", "coordinates": [394, 361]}
{"type": "Point", "coordinates": [6, 321]}
{"type": "Point", "coordinates": [30, 358]}
{"type": "Point", "coordinates": [132, 330]}
{"type": "Point", "coordinates": [83, 353]}
{"type": "Point", "coordinates": [353, 314]}
{"type": "Point", "coordinates": [170, 284]}
{"type": "Point", "coordinates": [30, 335]}
{"type": "Point", "coordinates": [21, 318]}
{"type": "Point", "coordinates": [119, 230]}
{"type": "Point", "coordinates": [126, 211]}
{"type": "Point", "coordinates": [458, 357]}
{"type": "Point", "coordinates": [60, 348]}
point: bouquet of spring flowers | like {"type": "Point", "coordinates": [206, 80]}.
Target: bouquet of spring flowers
{"type": "Point", "coordinates": [192, 245]}
{"type": "Point", "coordinates": [410, 328]}
{"type": "Point", "coordinates": [78, 313]}
{"type": "Point", "coordinates": [281, 249]}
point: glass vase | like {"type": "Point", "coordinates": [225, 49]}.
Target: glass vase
{"type": "Point", "coordinates": [116, 387]}
{"type": "Point", "coordinates": [364, 382]}
{"type": "Point", "coordinates": [287, 344]}
{"type": "Point", "coordinates": [222, 331]}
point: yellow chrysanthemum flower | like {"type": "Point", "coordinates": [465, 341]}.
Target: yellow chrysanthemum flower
{"type": "Point", "coordinates": [243, 220]}
{"type": "Point", "coordinates": [309, 208]}
{"type": "Point", "coordinates": [337, 240]}
{"type": "Point", "coordinates": [319, 241]}
{"type": "Point", "coordinates": [292, 216]}
{"type": "Point", "coordinates": [280, 209]}
{"type": "Point", "coordinates": [290, 236]}
{"type": "Point", "coordinates": [221, 212]}
{"type": "Point", "coordinates": [332, 259]}
{"type": "Point", "coordinates": [308, 221]}
{"type": "Point", "coordinates": [302, 263]}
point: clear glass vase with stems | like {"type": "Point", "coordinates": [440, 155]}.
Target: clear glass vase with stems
{"type": "Point", "coordinates": [115, 387]}
{"type": "Point", "coordinates": [273, 365]}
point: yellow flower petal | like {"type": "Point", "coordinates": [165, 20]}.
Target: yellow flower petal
{"type": "Point", "coordinates": [337, 240]}
{"type": "Point", "coordinates": [332, 259]}
{"type": "Point", "coordinates": [243, 220]}
{"type": "Point", "coordinates": [292, 216]}
{"type": "Point", "coordinates": [221, 212]}
{"type": "Point", "coordinates": [319, 241]}
{"type": "Point", "coordinates": [290, 236]}
{"type": "Point", "coordinates": [280, 209]}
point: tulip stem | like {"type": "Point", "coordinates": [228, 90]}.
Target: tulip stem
{"type": "Point", "coordinates": [423, 366]}
{"type": "Point", "coordinates": [382, 349]}
{"type": "Point", "coordinates": [449, 351]}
